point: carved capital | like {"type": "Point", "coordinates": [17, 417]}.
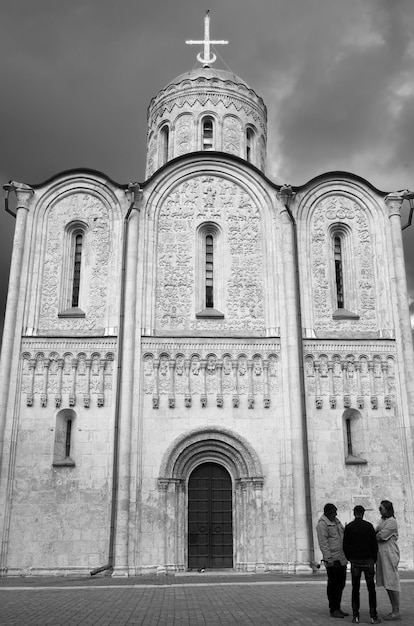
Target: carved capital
{"type": "Point", "coordinates": [394, 201]}
{"type": "Point", "coordinates": [23, 194]}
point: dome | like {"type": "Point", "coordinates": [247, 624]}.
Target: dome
{"type": "Point", "coordinates": [206, 109]}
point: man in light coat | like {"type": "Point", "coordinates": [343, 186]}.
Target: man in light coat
{"type": "Point", "coordinates": [330, 537]}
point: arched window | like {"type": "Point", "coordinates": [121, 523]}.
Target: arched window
{"type": "Point", "coordinates": [209, 272]}
{"type": "Point", "coordinates": [339, 277]}
{"type": "Point", "coordinates": [165, 137]}
{"type": "Point", "coordinates": [249, 144]}
{"type": "Point", "coordinates": [342, 272]}
{"type": "Point", "coordinates": [353, 437]}
{"type": "Point", "coordinates": [77, 264]}
{"type": "Point", "coordinates": [207, 133]}
{"type": "Point", "coordinates": [74, 253]}
{"type": "Point", "coordinates": [63, 448]}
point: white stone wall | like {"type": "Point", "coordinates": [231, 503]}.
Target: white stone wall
{"type": "Point", "coordinates": [60, 515]}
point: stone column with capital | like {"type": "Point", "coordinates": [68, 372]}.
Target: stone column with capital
{"type": "Point", "coordinates": [24, 195]}
{"type": "Point", "coordinates": [127, 352]}
{"type": "Point", "coordinates": [404, 340]}
{"type": "Point", "coordinates": [291, 350]}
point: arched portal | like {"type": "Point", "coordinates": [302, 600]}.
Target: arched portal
{"type": "Point", "coordinates": [210, 517]}
{"type": "Point", "coordinates": [240, 465]}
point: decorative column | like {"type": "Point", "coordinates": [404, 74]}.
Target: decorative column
{"type": "Point", "coordinates": [23, 195]}
{"type": "Point", "coordinates": [404, 341]}
{"type": "Point", "coordinates": [127, 342]}
{"type": "Point", "coordinates": [43, 396]}
{"type": "Point", "coordinates": [87, 396]}
{"type": "Point", "coordinates": [266, 396]}
{"type": "Point", "coordinates": [156, 392]}
{"type": "Point", "coordinates": [293, 380]}
{"type": "Point", "coordinates": [250, 394]}
{"type": "Point", "coordinates": [72, 395]}
{"type": "Point", "coordinates": [187, 396]}
{"type": "Point", "coordinates": [236, 399]}
{"type": "Point", "coordinates": [58, 396]}
{"type": "Point", "coordinates": [203, 397]}
{"type": "Point", "coordinates": [171, 394]}
{"type": "Point", "coordinates": [32, 373]}
{"type": "Point", "coordinates": [219, 399]}
{"type": "Point", "coordinates": [102, 366]}
{"type": "Point", "coordinates": [258, 496]}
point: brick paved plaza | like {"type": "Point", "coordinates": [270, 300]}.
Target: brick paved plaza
{"type": "Point", "coordinates": [193, 600]}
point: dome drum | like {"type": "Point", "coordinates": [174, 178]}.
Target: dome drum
{"type": "Point", "coordinates": [206, 110]}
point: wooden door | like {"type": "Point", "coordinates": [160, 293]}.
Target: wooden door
{"type": "Point", "coordinates": [210, 528]}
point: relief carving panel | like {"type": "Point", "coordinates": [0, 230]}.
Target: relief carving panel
{"type": "Point", "coordinates": [200, 199]}
{"type": "Point", "coordinates": [92, 211]}
{"type": "Point", "coordinates": [340, 209]}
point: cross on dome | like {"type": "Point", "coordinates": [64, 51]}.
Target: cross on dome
{"type": "Point", "coordinates": [209, 57]}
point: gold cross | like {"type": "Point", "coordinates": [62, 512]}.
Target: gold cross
{"type": "Point", "coordinates": [209, 57]}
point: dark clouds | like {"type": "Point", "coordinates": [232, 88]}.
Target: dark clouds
{"type": "Point", "coordinates": [336, 76]}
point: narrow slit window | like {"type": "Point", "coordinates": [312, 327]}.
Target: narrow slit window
{"type": "Point", "coordinates": [249, 144]}
{"type": "Point", "coordinates": [165, 136]}
{"type": "Point", "coordinates": [209, 272]}
{"type": "Point", "coordinates": [68, 436]}
{"type": "Point", "coordinates": [77, 270]}
{"type": "Point", "coordinates": [339, 279]}
{"type": "Point", "coordinates": [348, 437]}
{"type": "Point", "coordinates": [207, 133]}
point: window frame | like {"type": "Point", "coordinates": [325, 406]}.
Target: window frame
{"type": "Point", "coordinates": [66, 308]}
{"type": "Point", "coordinates": [204, 230]}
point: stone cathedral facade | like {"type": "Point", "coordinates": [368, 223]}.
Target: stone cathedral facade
{"type": "Point", "coordinates": [194, 365]}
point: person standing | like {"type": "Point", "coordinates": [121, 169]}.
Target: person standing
{"type": "Point", "coordinates": [388, 558]}
{"type": "Point", "coordinates": [330, 537]}
{"type": "Point", "coordinates": [361, 548]}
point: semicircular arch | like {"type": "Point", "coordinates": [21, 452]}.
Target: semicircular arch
{"type": "Point", "coordinates": [210, 444]}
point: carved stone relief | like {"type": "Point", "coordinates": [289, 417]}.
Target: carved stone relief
{"type": "Point", "coordinates": [64, 378]}
{"type": "Point", "coordinates": [340, 209]}
{"type": "Point", "coordinates": [250, 378]}
{"type": "Point", "coordinates": [201, 199]}
{"type": "Point", "coordinates": [351, 379]}
{"type": "Point", "coordinates": [93, 211]}
{"type": "Point", "coordinates": [232, 135]}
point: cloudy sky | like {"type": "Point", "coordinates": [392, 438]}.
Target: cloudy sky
{"type": "Point", "coordinates": [77, 76]}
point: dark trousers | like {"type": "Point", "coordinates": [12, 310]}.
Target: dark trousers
{"type": "Point", "coordinates": [336, 583]}
{"type": "Point", "coordinates": [357, 567]}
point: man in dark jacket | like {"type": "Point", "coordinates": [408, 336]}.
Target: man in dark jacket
{"type": "Point", "coordinates": [361, 548]}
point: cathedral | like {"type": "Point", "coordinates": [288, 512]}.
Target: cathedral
{"type": "Point", "coordinates": [192, 366]}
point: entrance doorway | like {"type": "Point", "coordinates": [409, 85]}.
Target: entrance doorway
{"type": "Point", "coordinates": [210, 527]}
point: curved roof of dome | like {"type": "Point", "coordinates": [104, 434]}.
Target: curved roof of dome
{"type": "Point", "coordinates": [208, 72]}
